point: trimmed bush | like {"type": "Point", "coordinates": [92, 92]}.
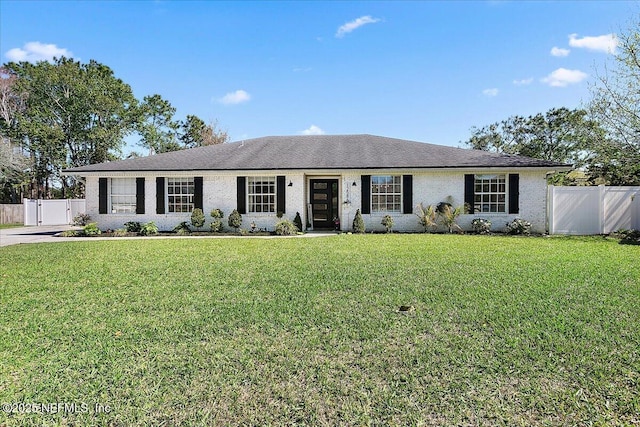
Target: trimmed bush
{"type": "Point", "coordinates": [481, 226]}
{"type": "Point", "coordinates": [197, 218]}
{"type": "Point", "coordinates": [298, 221]}
{"type": "Point", "coordinates": [387, 221]}
{"type": "Point", "coordinates": [149, 229]}
{"type": "Point", "coordinates": [216, 223]}
{"type": "Point", "coordinates": [286, 228]}
{"type": "Point", "coordinates": [235, 219]}
{"type": "Point", "coordinates": [518, 226]}
{"type": "Point", "coordinates": [358, 223]}
{"type": "Point", "coordinates": [92, 229]}
{"type": "Point", "coordinates": [133, 226]}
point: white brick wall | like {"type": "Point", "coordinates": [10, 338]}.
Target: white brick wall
{"type": "Point", "coordinates": [430, 188]}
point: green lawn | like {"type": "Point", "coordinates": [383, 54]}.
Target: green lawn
{"type": "Point", "coordinates": [5, 226]}
{"type": "Point", "coordinates": [504, 331]}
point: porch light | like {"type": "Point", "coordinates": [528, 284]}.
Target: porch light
{"type": "Point", "coordinates": [290, 184]}
{"type": "Point", "coordinates": [354, 184]}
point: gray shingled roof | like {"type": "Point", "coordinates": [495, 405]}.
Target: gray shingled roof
{"type": "Point", "coordinates": [318, 152]}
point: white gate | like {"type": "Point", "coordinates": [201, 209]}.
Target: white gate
{"type": "Point", "coordinates": [593, 210]}
{"type": "Point", "coordinates": [52, 212]}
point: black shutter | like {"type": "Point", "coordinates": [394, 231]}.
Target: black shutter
{"type": "Point", "coordinates": [407, 194]}
{"type": "Point", "coordinates": [139, 195]}
{"type": "Point", "coordinates": [365, 208]}
{"type": "Point", "coordinates": [469, 191]}
{"type": "Point", "coordinates": [160, 195]}
{"type": "Point", "coordinates": [280, 193]}
{"type": "Point", "coordinates": [102, 195]}
{"type": "Point", "coordinates": [242, 191]}
{"type": "Point", "coordinates": [514, 193]}
{"type": "Point", "coordinates": [197, 192]}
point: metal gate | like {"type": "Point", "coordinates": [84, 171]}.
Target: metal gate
{"type": "Point", "coordinates": [52, 212]}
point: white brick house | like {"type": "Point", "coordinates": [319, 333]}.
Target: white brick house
{"type": "Point", "coordinates": [323, 178]}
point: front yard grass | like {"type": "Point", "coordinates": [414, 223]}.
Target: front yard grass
{"type": "Point", "coordinates": [501, 331]}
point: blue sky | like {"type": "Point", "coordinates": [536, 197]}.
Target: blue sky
{"type": "Point", "coordinates": [425, 71]}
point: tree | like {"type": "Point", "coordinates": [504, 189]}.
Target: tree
{"type": "Point", "coordinates": [195, 133]}
{"type": "Point", "coordinates": [559, 135]}
{"type": "Point", "coordinates": [74, 114]}
{"type": "Point", "coordinates": [14, 177]}
{"type": "Point", "coordinates": [616, 104]}
{"type": "Point", "coordinates": [158, 131]}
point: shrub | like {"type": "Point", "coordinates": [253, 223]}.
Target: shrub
{"type": "Point", "coordinates": [427, 217]}
{"type": "Point", "coordinates": [81, 219]}
{"type": "Point", "coordinates": [358, 223]}
{"type": "Point", "coordinates": [629, 237]}
{"type": "Point", "coordinates": [519, 226]}
{"type": "Point", "coordinates": [449, 215]}
{"type": "Point", "coordinates": [91, 229]}
{"type": "Point", "coordinates": [197, 218]}
{"type": "Point", "coordinates": [235, 219]}
{"type": "Point", "coordinates": [279, 214]}
{"type": "Point", "coordinates": [481, 226]}
{"type": "Point", "coordinates": [182, 228]}
{"type": "Point", "coordinates": [387, 221]}
{"type": "Point", "coordinates": [286, 228]}
{"type": "Point", "coordinates": [133, 226]}
{"type": "Point", "coordinates": [298, 221]}
{"type": "Point", "coordinates": [149, 229]}
{"type": "Point", "coordinates": [120, 232]}
{"type": "Point", "coordinates": [216, 223]}
{"type": "Point", "coordinates": [70, 233]}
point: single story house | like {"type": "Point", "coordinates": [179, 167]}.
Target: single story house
{"type": "Point", "coordinates": [325, 178]}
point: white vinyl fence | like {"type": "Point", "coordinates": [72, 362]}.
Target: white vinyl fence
{"type": "Point", "coordinates": [593, 210]}
{"type": "Point", "coordinates": [52, 212]}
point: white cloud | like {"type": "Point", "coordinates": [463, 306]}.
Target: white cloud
{"type": "Point", "coordinates": [355, 24]}
{"type": "Point", "coordinates": [236, 97]}
{"type": "Point", "coordinates": [312, 130]}
{"type": "Point", "coordinates": [605, 43]}
{"type": "Point", "coordinates": [523, 82]}
{"type": "Point", "coordinates": [490, 92]}
{"type": "Point", "coordinates": [563, 77]}
{"type": "Point", "coordinates": [558, 51]}
{"type": "Point", "coordinates": [36, 51]}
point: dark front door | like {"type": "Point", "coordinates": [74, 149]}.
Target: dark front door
{"type": "Point", "coordinates": [324, 202]}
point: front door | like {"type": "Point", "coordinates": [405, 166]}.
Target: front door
{"type": "Point", "coordinates": [324, 202]}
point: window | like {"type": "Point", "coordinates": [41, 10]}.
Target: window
{"type": "Point", "coordinates": [386, 193]}
{"type": "Point", "coordinates": [262, 193]}
{"type": "Point", "coordinates": [490, 193]}
{"type": "Point", "coordinates": [122, 195]}
{"type": "Point", "coordinates": [180, 193]}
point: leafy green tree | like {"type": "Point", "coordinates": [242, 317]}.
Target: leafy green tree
{"type": "Point", "coordinates": [156, 127]}
{"type": "Point", "coordinates": [195, 133]}
{"type": "Point", "coordinates": [559, 135]}
{"type": "Point", "coordinates": [616, 104]}
{"type": "Point", "coordinates": [74, 114]}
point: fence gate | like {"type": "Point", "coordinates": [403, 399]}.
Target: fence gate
{"type": "Point", "coordinates": [593, 210]}
{"type": "Point", "coordinates": [52, 212]}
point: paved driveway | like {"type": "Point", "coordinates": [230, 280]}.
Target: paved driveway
{"type": "Point", "coordinates": [45, 233]}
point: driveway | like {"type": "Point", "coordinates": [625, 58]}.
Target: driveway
{"type": "Point", "coordinates": [43, 233]}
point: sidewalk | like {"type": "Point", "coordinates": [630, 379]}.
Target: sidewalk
{"type": "Point", "coordinates": [46, 234]}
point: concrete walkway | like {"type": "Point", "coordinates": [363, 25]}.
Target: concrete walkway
{"type": "Point", "coordinates": [47, 234]}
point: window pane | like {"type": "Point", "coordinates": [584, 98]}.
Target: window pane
{"type": "Point", "coordinates": [386, 193]}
